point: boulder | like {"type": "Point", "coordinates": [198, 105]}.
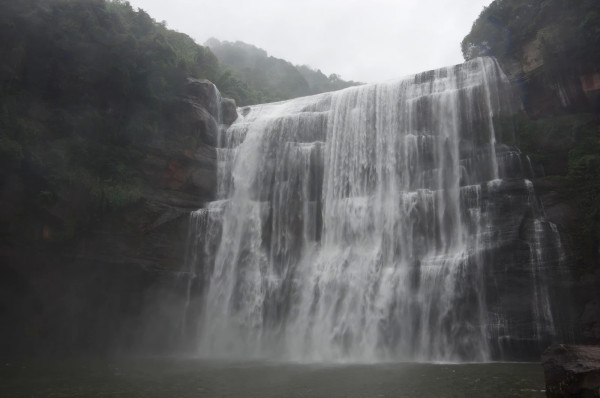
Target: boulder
{"type": "Point", "coordinates": [572, 371]}
{"type": "Point", "coordinates": [205, 94]}
{"type": "Point", "coordinates": [191, 117]}
{"type": "Point", "coordinates": [228, 111]}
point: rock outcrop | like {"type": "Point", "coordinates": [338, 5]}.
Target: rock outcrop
{"type": "Point", "coordinates": [547, 94]}
{"type": "Point", "coordinates": [118, 288]}
{"type": "Point", "coordinates": [572, 371]}
{"type": "Point", "coordinates": [179, 177]}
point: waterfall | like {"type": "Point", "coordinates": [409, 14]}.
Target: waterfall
{"type": "Point", "coordinates": [368, 224]}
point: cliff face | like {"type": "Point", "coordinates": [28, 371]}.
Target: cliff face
{"type": "Point", "coordinates": [545, 92]}
{"type": "Point", "coordinates": [548, 48]}
{"type": "Point", "coordinates": [558, 129]}
{"type": "Point", "coordinates": [117, 288]}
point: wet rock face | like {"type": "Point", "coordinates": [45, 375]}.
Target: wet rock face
{"type": "Point", "coordinates": [192, 173]}
{"type": "Point", "coordinates": [201, 113]}
{"type": "Point", "coordinates": [206, 94]}
{"type": "Point", "coordinates": [151, 237]}
{"type": "Point", "coordinates": [228, 111]}
{"type": "Point", "coordinates": [118, 288]}
{"type": "Point", "coordinates": [147, 242]}
{"type": "Point", "coordinates": [572, 371]}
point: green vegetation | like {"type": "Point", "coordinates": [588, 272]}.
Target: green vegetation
{"type": "Point", "coordinates": [568, 31]}
{"type": "Point", "coordinates": [563, 139]}
{"type": "Point", "coordinates": [272, 78]}
{"type": "Point", "coordinates": [568, 148]}
{"type": "Point", "coordinates": [85, 85]}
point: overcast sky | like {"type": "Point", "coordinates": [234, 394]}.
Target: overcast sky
{"type": "Point", "coordinates": [362, 40]}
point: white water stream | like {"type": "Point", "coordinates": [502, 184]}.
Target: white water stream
{"type": "Point", "coordinates": [353, 225]}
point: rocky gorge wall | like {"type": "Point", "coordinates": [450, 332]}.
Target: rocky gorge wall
{"type": "Point", "coordinates": [549, 94]}
{"type": "Point", "coordinates": [117, 288]}
{"type": "Point", "coordinates": [124, 287]}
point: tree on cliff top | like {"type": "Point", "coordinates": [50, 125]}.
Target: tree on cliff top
{"type": "Point", "coordinates": [85, 85]}
{"type": "Point", "coordinates": [568, 31]}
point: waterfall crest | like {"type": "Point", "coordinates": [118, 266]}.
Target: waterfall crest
{"type": "Point", "coordinates": [360, 224]}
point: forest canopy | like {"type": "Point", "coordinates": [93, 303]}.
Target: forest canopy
{"type": "Point", "coordinates": [568, 31]}
{"type": "Point", "coordinates": [85, 86]}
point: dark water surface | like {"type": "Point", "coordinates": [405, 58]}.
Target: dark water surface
{"type": "Point", "coordinates": [193, 378]}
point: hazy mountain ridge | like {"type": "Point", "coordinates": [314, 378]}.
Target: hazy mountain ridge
{"type": "Point", "coordinates": [276, 78]}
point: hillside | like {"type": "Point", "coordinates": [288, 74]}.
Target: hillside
{"type": "Point", "coordinates": [275, 78]}
{"type": "Point", "coordinates": [106, 143]}
{"type": "Point", "coordinates": [85, 86]}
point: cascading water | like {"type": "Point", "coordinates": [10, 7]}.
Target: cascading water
{"type": "Point", "coordinates": [358, 225]}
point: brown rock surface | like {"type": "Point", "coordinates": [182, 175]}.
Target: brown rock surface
{"type": "Point", "coordinates": [572, 371]}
